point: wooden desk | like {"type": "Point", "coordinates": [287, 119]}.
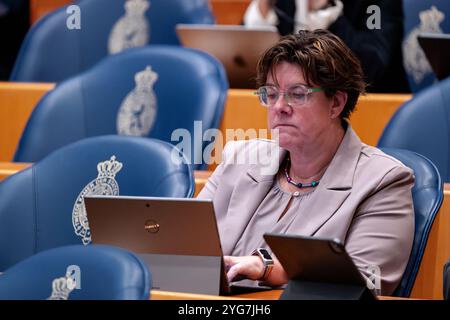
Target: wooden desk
{"type": "Point", "coordinates": [10, 168]}
{"type": "Point", "coordinates": [263, 295]}
{"type": "Point", "coordinates": [229, 11]}
{"type": "Point", "coordinates": [39, 8]}
{"type": "Point", "coordinates": [169, 295]}
{"type": "Point", "coordinates": [17, 101]}
{"type": "Point", "coordinates": [428, 283]}
{"type": "Point", "coordinates": [225, 11]}
{"type": "Point", "coordinates": [200, 179]}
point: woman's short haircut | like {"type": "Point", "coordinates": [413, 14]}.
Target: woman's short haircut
{"type": "Point", "coordinates": [325, 60]}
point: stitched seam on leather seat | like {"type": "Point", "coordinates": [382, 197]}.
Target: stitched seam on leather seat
{"type": "Point", "coordinates": [83, 103]}
{"type": "Point", "coordinates": [146, 279]}
{"type": "Point", "coordinates": [168, 175]}
{"type": "Point", "coordinates": [435, 186]}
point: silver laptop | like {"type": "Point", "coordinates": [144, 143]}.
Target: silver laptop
{"type": "Point", "coordinates": [237, 47]}
{"type": "Point", "coordinates": [176, 237]}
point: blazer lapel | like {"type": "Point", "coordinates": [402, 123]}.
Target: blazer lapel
{"type": "Point", "coordinates": [249, 192]}
{"type": "Point", "coordinates": [333, 189]}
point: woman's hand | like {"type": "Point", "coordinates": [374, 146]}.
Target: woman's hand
{"type": "Point", "coordinates": [252, 267]}
{"type": "Point", "coordinates": [247, 267]}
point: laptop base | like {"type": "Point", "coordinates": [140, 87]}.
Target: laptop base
{"type": "Point", "coordinates": [181, 273]}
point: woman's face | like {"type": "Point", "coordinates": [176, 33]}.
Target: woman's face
{"type": "Point", "coordinates": [304, 124]}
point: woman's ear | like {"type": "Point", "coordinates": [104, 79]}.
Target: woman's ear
{"type": "Point", "coordinates": [339, 101]}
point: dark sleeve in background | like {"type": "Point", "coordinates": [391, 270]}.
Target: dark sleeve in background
{"type": "Point", "coordinates": [14, 24]}
{"type": "Point", "coordinates": [380, 51]}
{"type": "Point", "coordinates": [285, 11]}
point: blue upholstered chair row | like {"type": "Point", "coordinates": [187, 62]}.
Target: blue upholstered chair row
{"type": "Point", "coordinates": [42, 207]}
{"type": "Point", "coordinates": [39, 205]}
{"type": "Point", "coordinates": [78, 273]}
{"type": "Point", "coordinates": [150, 92]}
{"type": "Point", "coordinates": [422, 125]}
{"type": "Point", "coordinates": [53, 51]}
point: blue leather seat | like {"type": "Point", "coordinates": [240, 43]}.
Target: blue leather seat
{"type": "Point", "coordinates": [190, 86]}
{"type": "Point", "coordinates": [427, 198]}
{"type": "Point", "coordinates": [42, 207]}
{"type": "Point", "coordinates": [429, 16]}
{"type": "Point", "coordinates": [52, 52]}
{"type": "Point", "coordinates": [76, 272]}
{"type": "Point", "coordinates": [422, 125]}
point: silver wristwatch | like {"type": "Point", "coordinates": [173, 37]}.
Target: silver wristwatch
{"type": "Point", "coordinates": [266, 259]}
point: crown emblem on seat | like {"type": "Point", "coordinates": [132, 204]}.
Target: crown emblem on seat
{"type": "Point", "coordinates": [109, 168]}
{"type": "Point", "coordinates": [137, 113]}
{"type": "Point", "coordinates": [62, 288]}
{"type": "Point", "coordinates": [136, 6]}
{"type": "Point", "coordinates": [104, 185]}
{"type": "Point", "coordinates": [432, 18]}
{"type": "Point", "coordinates": [415, 62]}
{"type": "Point", "coordinates": [146, 77]}
{"type": "Point", "coordinates": [132, 29]}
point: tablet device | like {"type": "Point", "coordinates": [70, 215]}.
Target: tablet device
{"type": "Point", "coordinates": [321, 265]}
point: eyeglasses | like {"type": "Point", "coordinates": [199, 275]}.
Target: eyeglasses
{"type": "Point", "coordinates": [294, 96]}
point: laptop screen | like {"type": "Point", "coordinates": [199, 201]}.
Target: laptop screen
{"type": "Point", "coordinates": [237, 47]}
{"type": "Point", "coordinates": [177, 238]}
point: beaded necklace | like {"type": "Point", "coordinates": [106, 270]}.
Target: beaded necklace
{"type": "Point", "coordinates": [298, 184]}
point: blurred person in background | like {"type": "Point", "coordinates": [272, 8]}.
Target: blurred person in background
{"type": "Point", "coordinates": [14, 24]}
{"type": "Point", "coordinates": [378, 49]}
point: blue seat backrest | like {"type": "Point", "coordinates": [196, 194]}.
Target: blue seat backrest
{"type": "Point", "coordinates": [53, 52]}
{"type": "Point", "coordinates": [96, 272]}
{"type": "Point", "coordinates": [423, 125]}
{"type": "Point", "coordinates": [427, 197]}
{"type": "Point", "coordinates": [190, 86]}
{"type": "Point", "coordinates": [430, 16]}
{"type": "Point", "coordinates": [43, 206]}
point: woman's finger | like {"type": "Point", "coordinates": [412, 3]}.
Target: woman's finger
{"type": "Point", "coordinates": [232, 273]}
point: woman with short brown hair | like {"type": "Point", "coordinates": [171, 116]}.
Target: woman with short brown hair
{"type": "Point", "coordinates": [325, 183]}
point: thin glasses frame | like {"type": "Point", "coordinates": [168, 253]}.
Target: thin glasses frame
{"type": "Point", "coordinates": [286, 94]}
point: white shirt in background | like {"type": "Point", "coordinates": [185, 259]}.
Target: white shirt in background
{"type": "Point", "coordinates": [319, 19]}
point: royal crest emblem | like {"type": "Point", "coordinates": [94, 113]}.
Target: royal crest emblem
{"type": "Point", "coordinates": [132, 30]}
{"type": "Point", "coordinates": [138, 110]}
{"type": "Point", "coordinates": [415, 61]}
{"type": "Point", "coordinates": [104, 184]}
{"type": "Point", "coordinates": [62, 287]}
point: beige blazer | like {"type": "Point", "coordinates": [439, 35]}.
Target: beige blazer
{"type": "Point", "coordinates": [364, 199]}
